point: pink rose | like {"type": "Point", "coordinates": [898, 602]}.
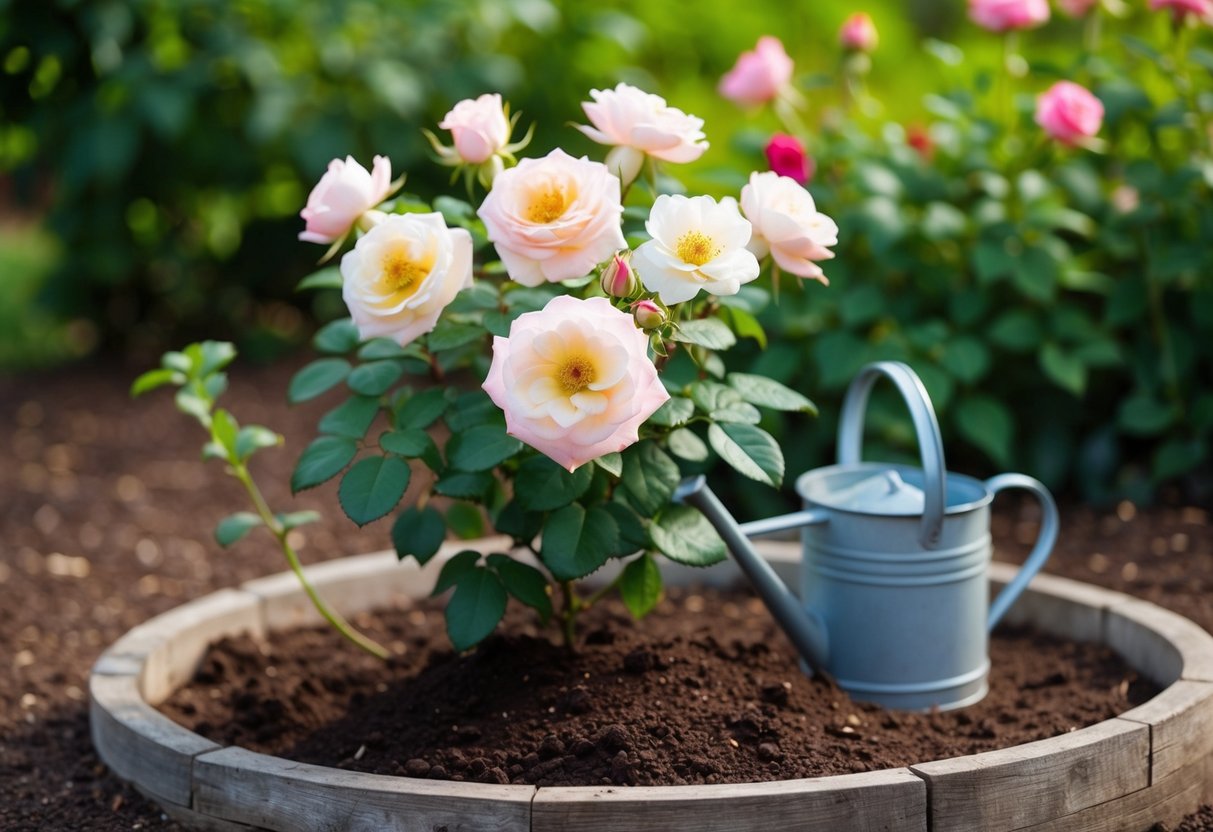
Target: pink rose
{"type": "Point", "coordinates": [787, 225]}
{"type": "Point", "coordinates": [1069, 113]}
{"type": "Point", "coordinates": [1003, 15]}
{"type": "Point", "coordinates": [479, 127]}
{"type": "Point", "coordinates": [758, 76]}
{"type": "Point", "coordinates": [1181, 8]}
{"type": "Point", "coordinates": [637, 124]}
{"type": "Point", "coordinates": [343, 194]}
{"type": "Point", "coordinates": [554, 218]}
{"type": "Point", "coordinates": [574, 380]}
{"type": "Point", "coordinates": [402, 273]}
{"type": "Point", "coordinates": [786, 156]}
{"type": "Point", "coordinates": [858, 32]}
{"type": "Point", "coordinates": [1076, 8]}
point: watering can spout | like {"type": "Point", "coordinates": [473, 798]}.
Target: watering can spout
{"type": "Point", "coordinates": [805, 630]}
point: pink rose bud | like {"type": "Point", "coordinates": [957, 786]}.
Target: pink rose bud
{"type": "Point", "coordinates": [758, 76]}
{"type": "Point", "coordinates": [648, 315]}
{"type": "Point", "coordinates": [479, 127]}
{"type": "Point", "coordinates": [919, 138]}
{"type": "Point", "coordinates": [345, 192]}
{"type": "Point", "coordinates": [786, 156]}
{"type": "Point", "coordinates": [618, 279]}
{"type": "Point", "coordinates": [1076, 8]}
{"type": "Point", "coordinates": [1182, 8]}
{"type": "Point", "coordinates": [1004, 15]}
{"type": "Point", "coordinates": [858, 33]}
{"type": "Point", "coordinates": [1069, 113]}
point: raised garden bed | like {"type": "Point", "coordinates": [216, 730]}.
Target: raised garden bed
{"type": "Point", "coordinates": [1149, 764]}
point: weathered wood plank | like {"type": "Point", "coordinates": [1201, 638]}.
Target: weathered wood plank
{"type": "Point", "coordinates": [259, 790]}
{"type": "Point", "coordinates": [188, 630]}
{"type": "Point", "coordinates": [1057, 605]}
{"type": "Point", "coordinates": [204, 823]}
{"type": "Point", "coordinates": [1181, 726]}
{"type": "Point", "coordinates": [1159, 643]}
{"type": "Point", "coordinates": [140, 744]}
{"type": "Point", "coordinates": [880, 800]}
{"type": "Point", "coordinates": [1035, 782]}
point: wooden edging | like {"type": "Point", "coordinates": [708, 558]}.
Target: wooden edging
{"type": "Point", "coordinates": [1153, 763]}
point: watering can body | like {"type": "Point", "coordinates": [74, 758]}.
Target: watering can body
{"type": "Point", "coordinates": [894, 594]}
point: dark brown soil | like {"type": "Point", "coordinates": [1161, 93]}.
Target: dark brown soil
{"type": "Point", "coordinates": [704, 690]}
{"type": "Point", "coordinates": [107, 512]}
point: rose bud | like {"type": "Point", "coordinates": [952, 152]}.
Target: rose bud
{"type": "Point", "coordinates": [786, 156]}
{"type": "Point", "coordinates": [858, 33]}
{"type": "Point", "coordinates": [648, 315]}
{"type": "Point", "coordinates": [618, 279]}
{"type": "Point", "coordinates": [1069, 113]}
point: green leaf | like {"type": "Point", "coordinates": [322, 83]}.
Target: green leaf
{"type": "Point", "coordinates": [723, 404]}
{"type": "Point", "coordinates": [375, 378]}
{"type": "Point", "coordinates": [252, 438]}
{"type": "Point", "coordinates": [612, 463]}
{"type": "Point", "coordinates": [475, 608]}
{"type": "Point", "coordinates": [991, 260]}
{"type": "Point", "coordinates": [1063, 369]}
{"type": "Point", "coordinates": [418, 532]}
{"type": "Point", "coordinates": [351, 418]}
{"type": "Point", "coordinates": [316, 378]}
{"type": "Point", "coordinates": [465, 520]}
{"type": "Point", "coordinates": [1176, 457]}
{"type": "Point", "coordinates": [749, 450]}
{"type": "Point", "coordinates": [684, 535]}
{"type": "Point", "coordinates": [576, 542]}
{"type": "Point", "coordinates": [235, 526]}
{"type": "Point", "coordinates": [1036, 273]}
{"type": "Point", "coordinates": [224, 429]}
{"type": "Point", "coordinates": [1144, 415]}
{"type": "Point", "coordinates": [766, 392]}
{"type": "Point", "coordinates": [633, 536]}
{"type": "Point", "coordinates": [373, 487]}
{"type": "Point", "coordinates": [322, 460]}
{"type": "Point", "coordinates": [421, 410]}
{"type": "Point", "coordinates": [517, 522]}
{"type": "Point", "coordinates": [449, 335]}
{"type": "Point", "coordinates": [712, 333]}
{"type": "Point", "coordinates": [329, 278]}
{"type": "Point", "coordinates": [988, 425]}
{"type": "Point", "coordinates": [524, 582]}
{"type": "Point", "coordinates": [640, 585]}
{"type": "Point", "coordinates": [649, 477]}
{"type": "Point", "coordinates": [747, 326]}
{"type": "Point", "coordinates": [214, 356]}
{"type": "Point", "coordinates": [295, 519]}
{"type": "Point", "coordinates": [454, 569]}
{"type": "Point", "coordinates": [542, 485]}
{"type": "Point", "coordinates": [454, 211]}
{"type": "Point", "coordinates": [178, 361]}
{"type": "Point", "coordinates": [966, 358]}
{"type": "Point", "coordinates": [686, 444]}
{"type": "Point", "coordinates": [465, 486]}
{"type": "Point", "coordinates": [1018, 331]}
{"type": "Point", "coordinates": [676, 411]}
{"type": "Point", "coordinates": [336, 337]}
{"type": "Point", "coordinates": [406, 443]}
{"type": "Point", "coordinates": [481, 448]}
{"type": "Point", "coordinates": [472, 409]}
{"type": "Point", "coordinates": [192, 405]}
{"type": "Point", "coordinates": [378, 349]}
{"type": "Point", "coordinates": [156, 378]}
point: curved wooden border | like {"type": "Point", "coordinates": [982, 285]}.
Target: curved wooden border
{"type": "Point", "coordinates": [1153, 763]}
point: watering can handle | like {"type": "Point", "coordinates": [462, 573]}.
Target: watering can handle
{"type": "Point", "coordinates": [850, 436]}
{"type": "Point", "coordinates": [1044, 541]}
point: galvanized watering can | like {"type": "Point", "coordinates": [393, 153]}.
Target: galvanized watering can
{"type": "Point", "coordinates": [894, 599]}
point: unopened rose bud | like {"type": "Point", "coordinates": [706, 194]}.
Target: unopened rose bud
{"type": "Point", "coordinates": [858, 33]}
{"type": "Point", "coordinates": [787, 157]}
{"type": "Point", "coordinates": [648, 315]}
{"type": "Point", "coordinates": [618, 278]}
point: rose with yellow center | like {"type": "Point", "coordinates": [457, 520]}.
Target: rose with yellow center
{"type": "Point", "coordinates": [697, 243]}
{"type": "Point", "coordinates": [574, 380]}
{"type": "Point", "coordinates": [402, 273]}
{"type": "Point", "coordinates": [787, 224]}
{"type": "Point", "coordinates": [553, 218]}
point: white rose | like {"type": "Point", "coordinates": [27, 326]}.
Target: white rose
{"type": "Point", "coordinates": [637, 124]}
{"type": "Point", "coordinates": [554, 218]}
{"type": "Point", "coordinates": [787, 224]}
{"type": "Point", "coordinates": [479, 127]}
{"type": "Point", "coordinates": [698, 243]}
{"type": "Point", "coordinates": [402, 273]}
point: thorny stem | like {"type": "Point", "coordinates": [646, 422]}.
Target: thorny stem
{"type": "Point", "coordinates": [568, 615]}
{"type": "Point", "coordinates": [272, 523]}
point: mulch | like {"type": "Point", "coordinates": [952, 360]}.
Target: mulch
{"type": "Point", "coordinates": [108, 511]}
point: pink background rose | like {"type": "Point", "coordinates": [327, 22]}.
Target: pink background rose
{"type": "Point", "coordinates": [1069, 113]}
{"type": "Point", "coordinates": [858, 32]}
{"type": "Point", "coordinates": [574, 380]}
{"type": "Point", "coordinates": [554, 218]}
{"type": "Point", "coordinates": [1076, 8]}
{"type": "Point", "coordinates": [1181, 8]}
{"type": "Point", "coordinates": [479, 127]}
{"type": "Point", "coordinates": [636, 124]}
{"type": "Point", "coordinates": [759, 75]}
{"type": "Point", "coordinates": [786, 156]}
{"type": "Point", "coordinates": [1004, 15]}
{"type": "Point", "coordinates": [343, 194]}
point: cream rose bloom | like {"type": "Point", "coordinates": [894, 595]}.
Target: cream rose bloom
{"type": "Point", "coordinates": [479, 127]}
{"type": "Point", "coordinates": [574, 380]}
{"type": "Point", "coordinates": [554, 218]}
{"type": "Point", "coordinates": [697, 243]}
{"type": "Point", "coordinates": [402, 273]}
{"type": "Point", "coordinates": [637, 124]}
{"type": "Point", "coordinates": [787, 224]}
{"type": "Point", "coordinates": [345, 192]}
